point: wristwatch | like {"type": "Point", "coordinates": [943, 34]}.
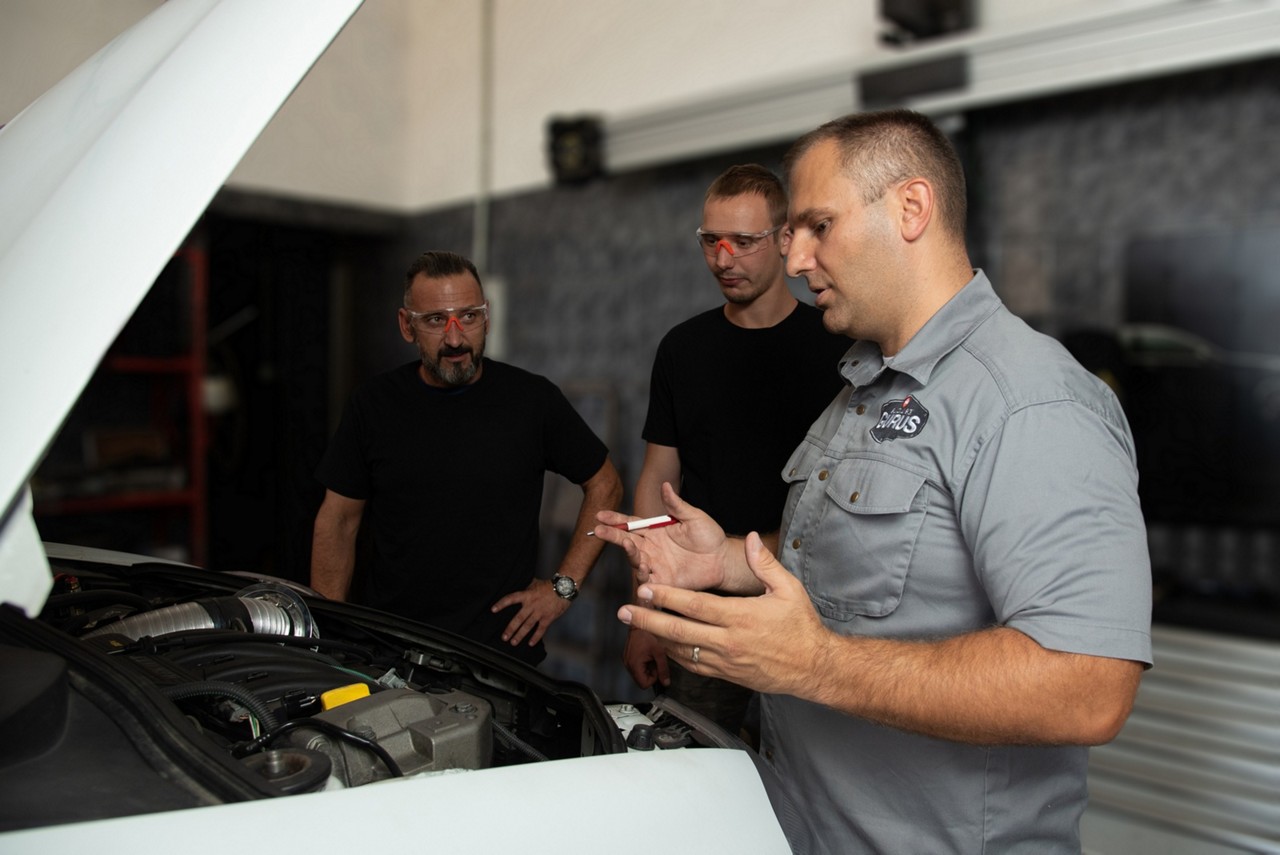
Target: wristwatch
{"type": "Point", "coordinates": [564, 586]}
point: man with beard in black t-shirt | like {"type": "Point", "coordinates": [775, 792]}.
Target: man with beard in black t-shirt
{"type": "Point", "coordinates": [429, 455]}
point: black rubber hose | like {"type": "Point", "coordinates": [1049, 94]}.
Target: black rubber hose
{"type": "Point", "coordinates": [196, 637]}
{"type": "Point", "coordinates": [220, 689]}
{"type": "Point", "coordinates": [509, 739]}
{"type": "Point", "coordinates": [327, 728]}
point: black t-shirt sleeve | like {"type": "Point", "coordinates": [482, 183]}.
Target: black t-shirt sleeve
{"type": "Point", "coordinates": [660, 422]}
{"type": "Point", "coordinates": [342, 469]}
{"type": "Point", "coordinates": [572, 448]}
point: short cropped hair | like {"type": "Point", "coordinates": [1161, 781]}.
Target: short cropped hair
{"type": "Point", "coordinates": [754, 179]}
{"type": "Point", "coordinates": [437, 264]}
{"type": "Point", "coordinates": [879, 149]}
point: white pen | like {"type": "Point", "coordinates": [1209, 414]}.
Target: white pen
{"type": "Point", "coordinates": [637, 525]}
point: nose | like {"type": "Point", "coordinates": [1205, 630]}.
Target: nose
{"type": "Point", "coordinates": [449, 335]}
{"type": "Point", "coordinates": [724, 253]}
{"type": "Point", "coordinates": [799, 256]}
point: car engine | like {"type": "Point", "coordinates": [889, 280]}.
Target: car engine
{"type": "Point", "coordinates": [151, 686]}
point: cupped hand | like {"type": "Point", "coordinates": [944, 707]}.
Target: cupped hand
{"type": "Point", "coordinates": [689, 554]}
{"type": "Point", "coordinates": [775, 642]}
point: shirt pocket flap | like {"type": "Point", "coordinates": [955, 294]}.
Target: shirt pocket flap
{"type": "Point", "coordinates": [802, 461]}
{"type": "Point", "coordinates": [873, 487]}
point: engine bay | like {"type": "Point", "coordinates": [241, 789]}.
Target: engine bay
{"type": "Point", "coordinates": [151, 686]}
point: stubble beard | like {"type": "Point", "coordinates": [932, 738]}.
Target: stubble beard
{"type": "Point", "coordinates": [450, 374]}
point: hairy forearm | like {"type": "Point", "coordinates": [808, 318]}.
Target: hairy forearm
{"type": "Point", "coordinates": [333, 557]}
{"type": "Point", "coordinates": [996, 686]}
{"type": "Point", "coordinates": [602, 492]}
{"type": "Point", "coordinates": [331, 575]}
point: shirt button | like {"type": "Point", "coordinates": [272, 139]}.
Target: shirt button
{"type": "Point", "coordinates": [854, 496]}
{"type": "Point", "coordinates": [862, 408]}
{"type": "Point", "coordinates": [795, 544]}
{"type": "Point", "coordinates": [792, 472]}
{"type": "Point", "coordinates": [768, 753]}
{"type": "Point", "coordinates": [822, 476]}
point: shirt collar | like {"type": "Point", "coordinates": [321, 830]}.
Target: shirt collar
{"type": "Point", "coordinates": [940, 335]}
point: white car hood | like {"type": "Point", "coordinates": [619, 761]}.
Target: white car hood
{"type": "Point", "coordinates": [102, 177]}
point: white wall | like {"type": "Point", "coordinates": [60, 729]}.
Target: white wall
{"type": "Point", "coordinates": [390, 116]}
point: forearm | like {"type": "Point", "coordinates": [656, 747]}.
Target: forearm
{"type": "Point", "coordinates": [333, 552]}
{"type": "Point", "coordinates": [602, 492]}
{"type": "Point", "coordinates": [332, 568]}
{"type": "Point", "coordinates": [997, 686]}
{"type": "Point", "coordinates": [661, 464]}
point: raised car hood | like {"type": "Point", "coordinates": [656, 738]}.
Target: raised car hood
{"type": "Point", "coordinates": [102, 177]}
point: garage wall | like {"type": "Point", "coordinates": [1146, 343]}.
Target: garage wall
{"type": "Point", "coordinates": [390, 117]}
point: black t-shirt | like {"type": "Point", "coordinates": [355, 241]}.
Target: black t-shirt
{"type": "Point", "coordinates": [452, 481]}
{"type": "Point", "coordinates": [735, 403]}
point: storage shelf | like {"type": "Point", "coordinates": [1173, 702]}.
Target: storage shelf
{"type": "Point", "coordinates": [122, 501]}
{"type": "Point", "coordinates": [151, 364]}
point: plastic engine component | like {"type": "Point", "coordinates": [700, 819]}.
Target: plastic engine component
{"type": "Point", "coordinates": [421, 732]}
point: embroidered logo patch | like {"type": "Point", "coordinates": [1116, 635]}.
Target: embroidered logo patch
{"type": "Point", "coordinates": [900, 420]}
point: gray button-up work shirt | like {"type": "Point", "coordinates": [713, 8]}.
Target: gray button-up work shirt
{"type": "Point", "coordinates": [980, 477]}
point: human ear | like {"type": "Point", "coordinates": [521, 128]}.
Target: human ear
{"type": "Point", "coordinates": [915, 200]}
{"type": "Point", "coordinates": [406, 332]}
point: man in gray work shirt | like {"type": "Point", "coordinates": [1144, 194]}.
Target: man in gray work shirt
{"type": "Point", "coordinates": [961, 598]}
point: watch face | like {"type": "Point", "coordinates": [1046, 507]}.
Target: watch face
{"type": "Point", "coordinates": [565, 587]}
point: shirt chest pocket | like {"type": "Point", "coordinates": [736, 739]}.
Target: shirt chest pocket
{"type": "Point", "coordinates": [855, 550]}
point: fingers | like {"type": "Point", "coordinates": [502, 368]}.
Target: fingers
{"type": "Point", "coordinates": [676, 506]}
{"type": "Point", "coordinates": [661, 665]}
{"type": "Point", "coordinates": [612, 518]}
{"type": "Point", "coordinates": [671, 499]}
{"type": "Point", "coordinates": [686, 627]}
{"type": "Point", "coordinates": [519, 627]}
{"type": "Point", "coordinates": [697, 606]}
{"type": "Point", "coordinates": [763, 563]}
{"type": "Point", "coordinates": [534, 616]}
{"type": "Point", "coordinates": [678, 633]}
{"type": "Point", "coordinates": [637, 659]}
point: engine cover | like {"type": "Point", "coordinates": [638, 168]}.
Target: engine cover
{"type": "Point", "coordinates": [422, 733]}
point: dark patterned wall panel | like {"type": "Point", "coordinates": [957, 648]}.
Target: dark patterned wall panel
{"type": "Point", "coordinates": [1065, 183]}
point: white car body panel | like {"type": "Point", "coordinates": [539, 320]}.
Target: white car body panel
{"type": "Point", "coordinates": [675, 801]}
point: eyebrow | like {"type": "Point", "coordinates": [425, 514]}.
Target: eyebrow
{"type": "Point", "coordinates": [444, 310]}
{"type": "Point", "coordinates": [807, 216]}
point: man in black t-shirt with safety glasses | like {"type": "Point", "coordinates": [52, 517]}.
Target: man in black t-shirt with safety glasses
{"type": "Point", "coordinates": [429, 455]}
{"type": "Point", "coordinates": [704, 433]}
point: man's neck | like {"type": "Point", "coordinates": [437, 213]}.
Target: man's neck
{"type": "Point", "coordinates": [768, 310]}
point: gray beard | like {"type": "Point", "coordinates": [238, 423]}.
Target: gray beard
{"type": "Point", "coordinates": [451, 375]}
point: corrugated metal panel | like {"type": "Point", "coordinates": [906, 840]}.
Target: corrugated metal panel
{"type": "Point", "coordinates": [1200, 756]}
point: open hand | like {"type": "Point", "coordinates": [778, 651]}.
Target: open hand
{"type": "Point", "coordinates": [689, 554]}
{"type": "Point", "coordinates": [540, 606]}
{"type": "Point", "coordinates": [773, 643]}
